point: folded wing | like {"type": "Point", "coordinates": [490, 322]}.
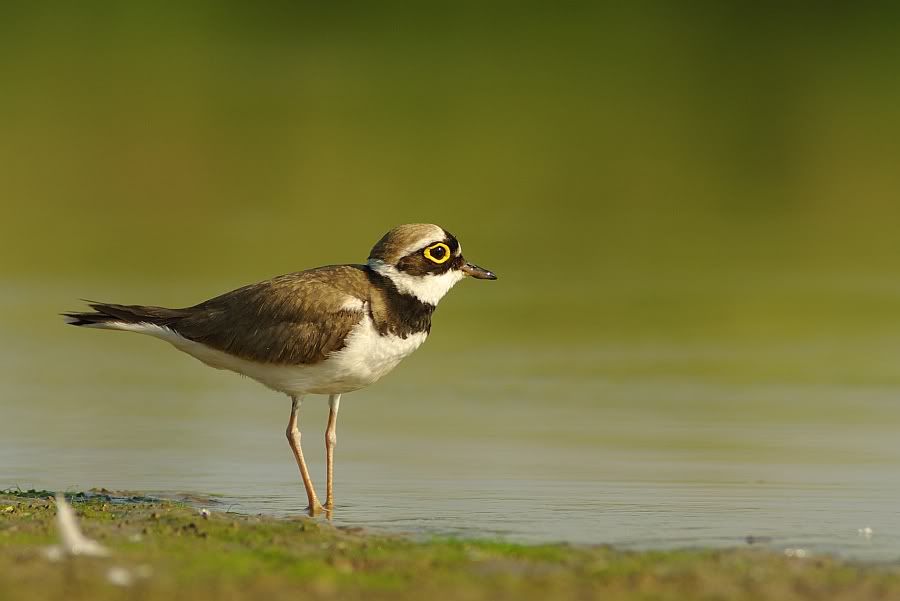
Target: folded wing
{"type": "Point", "coordinates": [298, 318]}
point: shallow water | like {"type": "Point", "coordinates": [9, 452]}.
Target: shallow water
{"type": "Point", "coordinates": [656, 440]}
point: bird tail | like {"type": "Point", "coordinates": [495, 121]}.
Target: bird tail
{"type": "Point", "coordinates": [122, 317]}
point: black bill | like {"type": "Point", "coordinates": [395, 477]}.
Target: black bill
{"type": "Point", "coordinates": [477, 272]}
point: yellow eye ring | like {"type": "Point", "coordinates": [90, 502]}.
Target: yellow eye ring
{"type": "Point", "coordinates": [433, 259]}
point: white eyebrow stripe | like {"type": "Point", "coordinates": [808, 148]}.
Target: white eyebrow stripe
{"type": "Point", "coordinates": [436, 235]}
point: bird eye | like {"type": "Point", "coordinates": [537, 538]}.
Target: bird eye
{"type": "Point", "coordinates": [437, 253]}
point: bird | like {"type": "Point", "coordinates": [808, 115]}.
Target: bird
{"type": "Point", "coordinates": [329, 330]}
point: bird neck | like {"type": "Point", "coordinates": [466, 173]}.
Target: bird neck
{"type": "Point", "coordinates": [397, 312]}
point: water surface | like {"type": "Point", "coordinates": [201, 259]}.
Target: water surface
{"type": "Point", "coordinates": [673, 441]}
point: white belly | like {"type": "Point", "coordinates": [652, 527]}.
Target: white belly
{"type": "Point", "coordinates": [365, 358]}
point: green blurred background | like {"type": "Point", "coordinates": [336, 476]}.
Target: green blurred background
{"type": "Point", "coordinates": [625, 166]}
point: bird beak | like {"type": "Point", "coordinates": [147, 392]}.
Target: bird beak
{"type": "Point", "coordinates": [477, 272]}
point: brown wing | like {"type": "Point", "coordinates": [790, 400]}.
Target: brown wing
{"type": "Point", "coordinates": [299, 318]}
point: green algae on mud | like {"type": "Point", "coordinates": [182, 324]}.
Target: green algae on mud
{"type": "Point", "coordinates": [170, 551]}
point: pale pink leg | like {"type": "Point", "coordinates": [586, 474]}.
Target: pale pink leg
{"type": "Point", "coordinates": [293, 436]}
{"type": "Point", "coordinates": [334, 402]}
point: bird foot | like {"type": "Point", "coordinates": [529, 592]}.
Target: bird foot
{"type": "Point", "coordinates": [315, 509]}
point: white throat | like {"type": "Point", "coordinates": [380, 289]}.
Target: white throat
{"type": "Point", "coordinates": [427, 288]}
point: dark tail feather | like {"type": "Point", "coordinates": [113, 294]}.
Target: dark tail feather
{"type": "Point", "coordinates": [104, 313]}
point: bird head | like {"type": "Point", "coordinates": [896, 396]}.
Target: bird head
{"type": "Point", "coordinates": [423, 260]}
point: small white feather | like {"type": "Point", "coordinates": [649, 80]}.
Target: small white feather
{"type": "Point", "coordinates": [73, 541]}
{"type": "Point", "coordinates": [353, 304]}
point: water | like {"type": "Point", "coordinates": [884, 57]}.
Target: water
{"type": "Point", "coordinates": [653, 442]}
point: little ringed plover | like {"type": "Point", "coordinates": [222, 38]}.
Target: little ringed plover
{"type": "Point", "coordinates": [329, 330]}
